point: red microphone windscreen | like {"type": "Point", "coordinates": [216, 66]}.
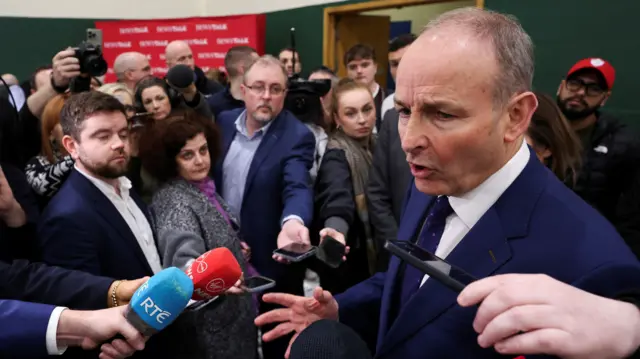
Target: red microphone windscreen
{"type": "Point", "coordinates": [213, 273]}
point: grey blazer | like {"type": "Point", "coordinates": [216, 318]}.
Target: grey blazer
{"type": "Point", "coordinates": [226, 330]}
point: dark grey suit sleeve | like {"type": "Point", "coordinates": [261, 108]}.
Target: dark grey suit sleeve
{"type": "Point", "coordinates": [380, 196]}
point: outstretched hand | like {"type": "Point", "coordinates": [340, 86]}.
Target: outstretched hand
{"type": "Point", "coordinates": [299, 313]}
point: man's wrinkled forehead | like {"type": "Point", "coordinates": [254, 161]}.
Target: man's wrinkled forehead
{"type": "Point", "coordinates": [438, 63]}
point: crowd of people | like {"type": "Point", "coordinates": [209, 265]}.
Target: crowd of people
{"type": "Point", "coordinates": [535, 195]}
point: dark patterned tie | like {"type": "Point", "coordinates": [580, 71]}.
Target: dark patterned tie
{"type": "Point", "coordinates": [429, 239]}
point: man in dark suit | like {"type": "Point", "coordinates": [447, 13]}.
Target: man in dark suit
{"type": "Point", "coordinates": [388, 182]}
{"type": "Point", "coordinates": [37, 282]}
{"type": "Point", "coordinates": [34, 330]}
{"type": "Point", "coordinates": [480, 198]}
{"type": "Point", "coordinates": [264, 176]}
{"type": "Point", "coordinates": [96, 223]}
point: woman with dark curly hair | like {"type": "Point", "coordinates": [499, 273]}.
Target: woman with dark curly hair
{"type": "Point", "coordinates": [190, 219]}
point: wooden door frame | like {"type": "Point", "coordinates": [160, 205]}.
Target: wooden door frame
{"type": "Point", "coordinates": [331, 13]}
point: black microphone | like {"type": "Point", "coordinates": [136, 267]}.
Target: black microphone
{"type": "Point", "coordinates": [181, 77]}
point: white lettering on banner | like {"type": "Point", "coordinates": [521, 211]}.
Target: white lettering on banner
{"type": "Point", "coordinates": [173, 28]}
{"type": "Point", "coordinates": [163, 57]}
{"type": "Point", "coordinates": [154, 43]}
{"type": "Point", "coordinates": [211, 55]}
{"type": "Point", "coordinates": [134, 30]}
{"type": "Point", "coordinates": [154, 311]}
{"type": "Point", "coordinates": [211, 27]}
{"type": "Point", "coordinates": [197, 41]}
{"type": "Point", "coordinates": [117, 45]}
{"type": "Point", "coordinates": [233, 41]}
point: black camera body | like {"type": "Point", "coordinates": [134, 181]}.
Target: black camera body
{"type": "Point", "coordinates": [303, 99]}
{"type": "Point", "coordinates": [91, 60]}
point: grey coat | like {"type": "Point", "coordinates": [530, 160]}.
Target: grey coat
{"type": "Point", "coordinates": [224, 331]}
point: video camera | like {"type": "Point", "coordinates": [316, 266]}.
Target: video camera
{"type": "Point", "coordinates": [303, 96]}
{"type": "Point", "coordinates": [92, 63]}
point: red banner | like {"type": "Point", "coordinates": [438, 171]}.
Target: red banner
{"type": "Point", "coordinates": [209, 39]}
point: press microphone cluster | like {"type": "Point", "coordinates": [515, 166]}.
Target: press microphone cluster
{"type": "Point", "coordinates": [161, 299]}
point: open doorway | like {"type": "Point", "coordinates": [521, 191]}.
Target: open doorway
{"type": "Point", "coordinates": [376, 22]}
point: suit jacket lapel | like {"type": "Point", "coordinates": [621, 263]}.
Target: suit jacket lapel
{"type": "Point", "coordinates": [228, 133]}
{"type": "Point", "coordinates": [481, 253]}
{"type": "Point", "coordinates": [110, 213]}
{"type": "Point", "coordinates": [416, 206]}
{"type": "Point", "coordinates": [267, 143]}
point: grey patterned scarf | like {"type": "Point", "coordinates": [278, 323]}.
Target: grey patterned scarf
{"type": "Point", "coordinates": [359, 154]}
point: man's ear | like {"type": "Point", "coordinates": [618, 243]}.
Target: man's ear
{"type": "Point", "coordinates": [606, 97]}
{"type": "Point", "coordinates": [562, 84]}
{"type": "Point", "coordinates": [520, 111]}
{"type": "Point", "coordinates": [71, 146]}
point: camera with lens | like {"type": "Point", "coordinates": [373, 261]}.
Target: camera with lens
{"type": "Point", "coordinates": [92, 63]}
{"type": "Point", "coordinates": [303, 99]}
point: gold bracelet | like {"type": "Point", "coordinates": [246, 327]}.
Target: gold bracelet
{"type": "Point", "coordinates": [114, 298]}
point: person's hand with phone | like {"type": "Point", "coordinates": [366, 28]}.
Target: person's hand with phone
{"type": "Point", "coordinates": [293, 231]}
{"type": "Point", "coordinates": [237, 287]}
{"type": "Point", "coordinates": [329, 234]}
{"type": "Point", "coordinates": [297, 314]}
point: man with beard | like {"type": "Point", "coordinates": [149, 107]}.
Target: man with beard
{"type": "Point", "coordinates": [95, 223]}
{"type": "Point", "coordinates": [611, 151]}
{"type": "Point", "coordinates": [264, 177]}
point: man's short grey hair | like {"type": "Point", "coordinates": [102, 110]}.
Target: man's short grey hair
{"type": "Point", "coordinates": [124, 62]}
{"type": "Point", "coordinates": [512, 46]}
{"type": "Point", "coordinates": [266, 61]}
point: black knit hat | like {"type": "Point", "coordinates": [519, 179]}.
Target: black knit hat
{"type": "Point", "coordinates": [328, 339]}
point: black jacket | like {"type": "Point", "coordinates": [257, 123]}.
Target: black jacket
{"type": "Point", "coordinates": [609, 164]}
{"type": "Point", "coordinates": [335, 207]}
{"type": "Point", "coordinates": [388, 182]}
{"type": "Point", "coordinates": [627, 219]}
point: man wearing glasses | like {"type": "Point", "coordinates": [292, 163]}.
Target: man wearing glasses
{"type": "Point", "coordinates": [264, 177]}
{"type": "Point", "coordinates": [611, 151]}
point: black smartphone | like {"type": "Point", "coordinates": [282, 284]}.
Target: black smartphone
{"type": "Point", "coordinates": [331, 251]}
{"type": "Point", "coordinates": [258, 284]}
{"type": "Point", "coordinates": [430, 264]}
{"type": "Point", "coordinates": [196, 305]}
{"type": "Point", "coordinates": [296, 252]}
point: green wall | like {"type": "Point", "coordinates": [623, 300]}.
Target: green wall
{"type": "Point", "coordinates": [563, 32]}
{"type": "Point", "coordinates": [28, 43]}
{"type": "Point", "coordinates": [568, 30]}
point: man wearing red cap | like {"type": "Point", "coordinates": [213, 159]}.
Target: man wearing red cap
{"type": "Point", "coordinates": [611, 151]}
